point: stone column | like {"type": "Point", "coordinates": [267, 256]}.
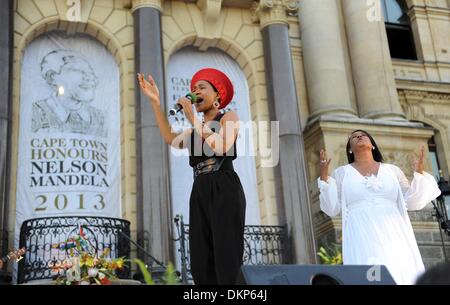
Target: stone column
{"type": "Point", "coordinates": [152, 164]}
{"type": "Point", "coordinates": [290, 174]}
{"type": "Point", "coordinates": [371, 62]}
{"type": "Point", "coordinates": [329, 89]}
{"type": "Point", "coordinates": [6, 60]}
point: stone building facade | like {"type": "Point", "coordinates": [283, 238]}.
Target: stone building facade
{"type": "Point", "coordinates": [322, 68]}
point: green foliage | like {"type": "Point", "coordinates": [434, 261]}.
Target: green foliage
{"type": "Point", "coordinates": [147, 276]}
{"type": "Point", "coordinates": [331, 255]}
{"type": "Point", "coordinates": [170, 276]}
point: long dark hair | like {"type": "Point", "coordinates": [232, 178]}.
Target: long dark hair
{"type": "Point", "coordinates": [376, 153]}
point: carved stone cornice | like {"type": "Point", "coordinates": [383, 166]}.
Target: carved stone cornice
{"type": "Point", "coordinates": [268, 12]}
{"type": "Point", "coordinates": [413, 94]}
{"type": "Point", "coordinates": [137, 4]}
{"type": "Point", "coordinates": [431, 12]}
{"type": "Point", "coordinates": [416, 103]}
{"type": "Point", "coordinates": [421, 95]}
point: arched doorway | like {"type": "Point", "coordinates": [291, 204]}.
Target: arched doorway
{"type": "Point", "coordinates": [69, 131]}
{"type": "Point", "coordinates": [181, 67]}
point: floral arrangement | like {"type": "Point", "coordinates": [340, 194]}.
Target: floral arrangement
{"type": "Point", "coordinates": [83, 266]}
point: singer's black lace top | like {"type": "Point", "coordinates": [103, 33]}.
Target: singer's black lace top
{"type": "Point", "coordinates": [199, 150]}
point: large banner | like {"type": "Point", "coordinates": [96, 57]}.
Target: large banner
{"type": "Point", "coordinates": [69, 139]}
{"type": "Point", "coordinates": [182, 66]}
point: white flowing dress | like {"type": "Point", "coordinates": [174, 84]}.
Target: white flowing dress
{"type": "Point", "coordinates": [375, 224]}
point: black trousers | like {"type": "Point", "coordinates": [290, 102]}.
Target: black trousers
{"type": "Point", "coordinates": [216, 228]}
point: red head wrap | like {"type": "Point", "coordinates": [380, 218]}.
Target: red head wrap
{"type": "Point", "coordinates": [219, 80]}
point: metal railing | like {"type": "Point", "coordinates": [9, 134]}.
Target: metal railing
{"type": "Point", "coordinates": [263, 245]}
{"type": "Point", "coordinates": [39, 236]}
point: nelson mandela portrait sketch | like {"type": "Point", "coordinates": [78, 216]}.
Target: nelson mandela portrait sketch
{"type": "Point", "coordinates": [73, 83]}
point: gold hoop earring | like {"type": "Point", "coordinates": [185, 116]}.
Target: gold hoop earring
{"type": "Point", "coordinates": [216, 104]}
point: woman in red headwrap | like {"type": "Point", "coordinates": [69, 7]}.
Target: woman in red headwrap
{"type": "Point", "coordinates": [217, 202]}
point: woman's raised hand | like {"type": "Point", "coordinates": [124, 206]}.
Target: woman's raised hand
{"type": "Point", "coordinates": [419, 165]}
{"type": "Point", "coordinates": [149, 88]}
{"type": "Point", "coordinates": [324, 165]}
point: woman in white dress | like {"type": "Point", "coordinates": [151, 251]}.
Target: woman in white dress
{"type": "Point", "coordinates": [373, 198]}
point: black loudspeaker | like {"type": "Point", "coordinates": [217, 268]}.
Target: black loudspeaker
{"type": "Point", "coordinates": [315, 275]}
{"type": "Point", "coordinates": [5, 278]}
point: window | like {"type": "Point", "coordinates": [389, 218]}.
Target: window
{"type": "Point", "coordinates": [438, 173]}
{"type": "Point", "coordinates": [398, 29]}
{"type": "Point", "coordinates": [434, 158]}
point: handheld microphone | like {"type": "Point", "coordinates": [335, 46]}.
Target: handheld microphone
{"type": "Point", "coordinates": [176, 108]}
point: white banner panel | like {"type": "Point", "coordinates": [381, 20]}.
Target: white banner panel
{"type": "Point", "coordinates": [182, 66]}
{"type": "Point", "coordinates": [69, 139]}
